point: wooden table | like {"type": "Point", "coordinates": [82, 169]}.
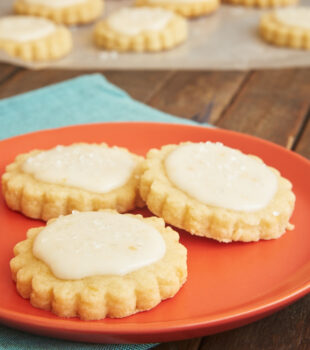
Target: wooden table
{"type": "Point", "coordinates": [271, 104]}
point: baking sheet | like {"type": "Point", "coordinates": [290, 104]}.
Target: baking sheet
{"type": "Point", "coordinates": [227, 39]}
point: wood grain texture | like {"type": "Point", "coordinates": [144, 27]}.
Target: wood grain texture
{"type": "Point", "coordinates": [271, 105]}
{"type": "Point", "coordinates": [288, 329]}
{"type": "Point", "coordinates": [303, 144]}
{"type": "Point", "coordinates": [201, 94]}
{"type": "Point", "coordinates": [7, 71]}
{"type": "Point", "coordinates": [139, 85]}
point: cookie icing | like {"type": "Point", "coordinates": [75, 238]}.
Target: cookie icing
{"type": "Point", "coordinates": [25, 28]}
{"type": "Point", "coordinates": [221, 176]}
{"type": "Point", "coordinates": [55, 3]}
{"type": "Point", "coordinates": [132, 21]}
{"type": "Point", "coordinates": [295, 17]}
{"type": "Point", "coordinates": [90, 167]}
{"type": "Point", "coordinates": [98, 243]}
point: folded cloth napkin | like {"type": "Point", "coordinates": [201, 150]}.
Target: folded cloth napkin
{"type": "Point", "coordinates": [86, 99]}
{"type": "Point", "coordinates": [11, 339]}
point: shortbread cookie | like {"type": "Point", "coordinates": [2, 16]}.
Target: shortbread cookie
{"type": "Point", "coordinates": [46, 184]}
{"type": "Point", "coordinates": [186, 8]}
{"type": "Point", "coordinates": [261, 3]}
{"type": "Point", "coordinates": [141, 29]}
{"type": "Point", "coordinates": [212, 190]}
{"type": "Point", "coordinates": [287, 27]}
{"type": "Point", "coordinates": [99, 264]}
{"type": "Point", "coordinates": [33, 38]}
{"type": "Point", "coordinates": [68, 12]}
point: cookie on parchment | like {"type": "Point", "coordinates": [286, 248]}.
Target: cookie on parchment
{"type": "Point", "coordinates": [34, 39]}
{"type": "Point", "coordinates": [101, 264]}
{"type": "Point", "coordinates": [140, 29]}
{"type": "Point", "coordinates": [215, 191]}
{"type": "Point", "coordinates": [69, 12]}
{"type": "Point", "coordinates": [289, 27]}
{"type": "Point", "coordinates": [186, 8]}
{"type": "Point", "coordinates": [81, 176]}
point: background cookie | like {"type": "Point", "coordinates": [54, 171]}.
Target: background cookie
{"type": "Point", "coordinates": [61, 11]}
{"type": "Point", "coordinates": [186, 8]}
{"type": "Point", "coordinates": [262, 3]}
{"type": "Point", "coordinates": [140, 29]}
{"type": "Point", "coordinates": [287, 27]}
{"type": "Point", "coordinates": [33, 38]}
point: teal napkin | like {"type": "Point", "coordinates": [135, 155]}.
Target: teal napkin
{"type": "Point", "coordinates": [11, 339]}
{"type": "Point", "coordinates": [86, 99]}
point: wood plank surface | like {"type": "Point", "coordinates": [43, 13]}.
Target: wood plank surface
{"type": "Point", "coordinates": [201, 96]}
{"type": "Point", "coordinates": [286, 329]}
{"type": "Point", "coordinates": [6, 71]}
{"type": "Point", "coordinates": [140, 85]}
{"type": "Point", "coordinates": [272, 104]}
{"type": "Point", "coordinates": [303, 145]}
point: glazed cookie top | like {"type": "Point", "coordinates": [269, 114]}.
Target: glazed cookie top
{"type": "Point", "coordinates": [55, 3]}
{"type": "Point", "coordinates": [98, 243]}
{"type": "Point", "coordinates": [91, 167]}
{"type": "Point", "coordinates": [132, 21]}
{"type": "Point", "coordinates": [221, 176]}
{"type": "Point", "coordinates": [25, 28]}
{"type": "Point", "coordinates": [295, 17]}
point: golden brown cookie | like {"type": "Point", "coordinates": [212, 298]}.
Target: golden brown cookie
{"type": "Point", "coordinates": [288, 27]}
{"type": "Point", "coordinates": [68, 12]}
{"type": "Point", "coordinates": [185, 8]}
{"type": "Point", "coordinates": [140, 29]}
{"type": "Point", "coordinates": [98, 296]}
{"type": "Point", "coordinates": [46, 184]}
{"type": "Point", "coordinates": [34, 39]}
{"type": "Point", "coordinates": [225, 201]}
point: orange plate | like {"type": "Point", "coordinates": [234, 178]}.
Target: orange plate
{"type": "Point", "coordinates": [228, 285]}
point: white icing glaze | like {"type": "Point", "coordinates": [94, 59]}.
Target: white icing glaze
{"type": "Point", "coordinates": [25, 28]}
{"type": "Point", "coordinates": [132, 21]}
{"type": "Point", "coordinates": [295, 17]}
{"type": "Point", "coordinates": [90, 167]}
{"type": "Point", "coordinates": [55, 3]}
{"type": "Point", "coordinates": [98, 243]}
{"type": "Point", "coordinates": [221, 176]}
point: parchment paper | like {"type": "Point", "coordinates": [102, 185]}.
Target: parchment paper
{"type": "Point", "coordinates": [227, 39]}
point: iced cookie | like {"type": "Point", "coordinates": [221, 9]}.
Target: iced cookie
{"type": "Point", "coordinates": [61, 11]}
{"type": "Point", "coordinates": [46, 184]}
{"type": "Point", "coordinates": [287, 27]}
{"type": "Point", "coordinates": [33, 38]}
{"type": "Point", "coordinates": [261, 3]}
{"type": "Point", "coordinates": [141, 29]}
{"type": "Point", "coordinates": [186, 8]}
{"type": "Point", "coordinates": [215, 191]}
{"type": "Point", "coordinates": [99, 264]}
